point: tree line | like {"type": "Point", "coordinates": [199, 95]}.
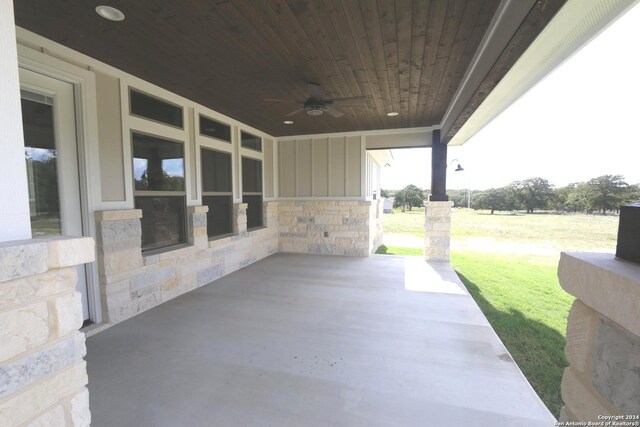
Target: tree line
{"type": "Point", "coordinates": [602, 194]}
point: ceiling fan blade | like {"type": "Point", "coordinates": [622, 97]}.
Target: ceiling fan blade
{"type": "Point", "coordinates": [334, 112]}
{"type": "Point", "coordinates": [282, 100]}
{"type": "Point", "coordinates": [315, 90]}
{"type": "Point", "coordinates": [294, 112]}
{"type": "Point", "coordinates": [350, 100]}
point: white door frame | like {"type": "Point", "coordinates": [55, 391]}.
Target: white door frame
{"type": "Point", "coordinates": [83, 81]}
{"type": "Point", "coordinates": [67, 171]}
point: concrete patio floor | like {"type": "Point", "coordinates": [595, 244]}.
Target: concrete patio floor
{"type": "Point", "coordinates": [304, 340]}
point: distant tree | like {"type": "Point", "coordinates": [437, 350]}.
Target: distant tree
{"type": "Point", "coordinates": [560, 197]}
{"type": "Point", "coordinates": [384, 193]}
{"type": "Point", "coordinates": [577, 198]}
{"type": "Point", "coordinates": [399, 200]}
{"type": "Point", "coordinates": [633, 195]}
{"type": "Point", "coordinates": [495, 199]}
{"type": "Point", "coordinates": [533, 193]}
{"type": "Point", "coordinates": [410, 196]}
{"type": "Point", "coordinates": [570, 198]}
{"type": "Point", "coordinates": [606, 193]}
{"type": "Point", "coordinates": [458, 197]}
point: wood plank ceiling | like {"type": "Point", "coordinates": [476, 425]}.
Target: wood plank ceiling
{"type": "Point", "coordinates": [404, 56]}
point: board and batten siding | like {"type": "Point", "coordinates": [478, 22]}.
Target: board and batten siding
{"type": "Point", "coordinates": [268, 169]}
{"type": "Point", "coordinates": [110, 136]}
{"type": "Point", "coordinates": [320, 167]}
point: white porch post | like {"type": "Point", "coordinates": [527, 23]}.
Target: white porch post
{"type": "Point", "coordinates": [14, 195]}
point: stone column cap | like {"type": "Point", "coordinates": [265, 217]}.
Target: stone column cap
{"type": "Point", "coordinates": [199, 209]}
{"type": "Point", "coordinates": [118, 215]}
{"type": "Point", "coordinates": [23, 258]}
{"type": "Point", "coordinates": [605, 283]}
{"type": "Point", "coordinates": [429, 203]}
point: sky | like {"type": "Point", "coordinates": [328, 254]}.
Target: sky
{"type": "Point", "coordinates": [578, 123]}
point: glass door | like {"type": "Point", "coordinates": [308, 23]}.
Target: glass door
{"type": "Point", "coordinates": [51, 156]}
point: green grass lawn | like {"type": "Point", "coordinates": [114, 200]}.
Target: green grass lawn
{"type": "Point", "coordinates": [509, 265]}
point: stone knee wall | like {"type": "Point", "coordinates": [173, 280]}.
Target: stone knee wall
{"type": "Point", "coordinates": [43, 374]}
{"type": "Point", "coordinates": [327, 227]}
{"type": "Point", "coordinates": [131, 283]}
{"type": "Point", "coordinates": [603, 338]}
{"type": "Point", "coordinates": [437, 231]}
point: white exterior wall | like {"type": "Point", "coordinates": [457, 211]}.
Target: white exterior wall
{"type": "Point", "coordinates": [327, 168]}
{"type": "Point", "coordinates": [14, 198]}
{"type": "Point", "coordinates": [106, 168]}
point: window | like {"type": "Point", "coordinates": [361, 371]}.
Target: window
{"type": "Point", "coordinates": [215, 129]}
{"type": "Point", "coordinates": [250, 141]}
{"type": "Point", "coordinates": [42, 164]}
{"type": "Point", "coordinates": [252, 191]}
{"type": "Point", "coordinates": [152, 108]}
{"type": "Point", "coordinates": [158, 168]}
{"type": "Point", "coordinates": [217, 191]}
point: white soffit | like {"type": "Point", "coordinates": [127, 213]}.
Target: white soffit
{"type": "Point", "coordinates": [576, 23]}
{"type": "Point", "coordinates": [390, 140]}
{"type": "Point", "coordinates": [381, 157]}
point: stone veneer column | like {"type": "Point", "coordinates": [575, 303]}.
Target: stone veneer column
{"type": "Point", "coordinates": [119, 248]}
{"type": "Point", "coordinates": [42, 371]}
{"type": "Point", "coordinates": [437, 231]}
{"type": "Point", "coordinates": [198, 226]}
{"type": "Point", "coordinates": [603, 337]}
{"type": "Point", "coordinates": [240, 216]}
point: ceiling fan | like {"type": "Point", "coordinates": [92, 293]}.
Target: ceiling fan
{"type": "Point", "coordinates": [315, 105]}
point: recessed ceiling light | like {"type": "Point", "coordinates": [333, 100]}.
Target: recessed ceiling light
{"type": "Point", "coordinates": [288, 122]}
{"type": "Point", "coordinates": [392, 114]}
{"type": "Point", "coordinates": [110, 13]}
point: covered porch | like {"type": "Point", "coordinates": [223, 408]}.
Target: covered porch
{"type": "Point", "coordinates": [205, 156]}
{"type": "Point", "coordinates": [311, 340]}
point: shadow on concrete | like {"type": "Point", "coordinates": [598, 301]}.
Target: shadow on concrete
{"type": "Point", "coordinates": [536, 348]}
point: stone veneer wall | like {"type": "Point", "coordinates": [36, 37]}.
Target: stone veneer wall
{"type": "Point", "coordinates": [603, 338]}
{"type": "Point", "coordinates": [437, 231]}
{"type": "Point", "coordinates": [43, 374]}
{"type": "Point", "coordinates": [131, 283]}
{"type": "Point", "coordinates": [328, 227]}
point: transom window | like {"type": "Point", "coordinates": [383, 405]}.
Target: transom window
{"type": "Point", "coordinates": [155, 109]}
{"type": "Point", "coordinates": [215, 129]}
{"type": "Point", "coordinates": [251, 141]}
{"type": "Point", "coordinates": [217, 191]}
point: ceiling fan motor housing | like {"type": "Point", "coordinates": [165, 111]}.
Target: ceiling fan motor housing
{"type": "Point", "coordinates": [314, 108]}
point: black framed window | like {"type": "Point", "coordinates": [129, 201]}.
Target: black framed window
{"type": "Point", "coordinates": [155, 109]}
{"type": "Point", "coordinates": [252, 191]}
{"type": "Point", "coordinates": [250, 141]}
{"type": "Point", "coordinates": [215, 129]}
{"type": "Point", "coordinates": [159, 190]}
{"type": "Point", "coordinates": [217, 191]}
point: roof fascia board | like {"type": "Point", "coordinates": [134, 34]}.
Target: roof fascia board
{"type": "Point", "coordinates": [575, 24]}
{"type": "Point", "coordinates": [508, 17]}
{"type": "Point", "coordinates": [358, 133]}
